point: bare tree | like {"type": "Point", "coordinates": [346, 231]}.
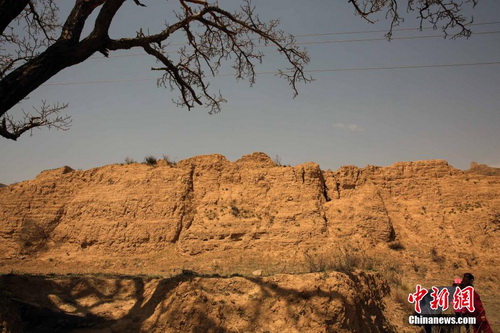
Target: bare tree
{"type": "Point", "coordinates": [213, 36]}
{"type": "Point", "coordinates": [444, 14]}
{"type": "Point", "coordinates": [43, 46]}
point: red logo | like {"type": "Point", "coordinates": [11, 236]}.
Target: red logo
{"type": "Point", "coordinates": [440, 298]}
{"type": "Point", "coordinates": [417, 297]}
{"type": "Point", "coordinates": [464, 298]}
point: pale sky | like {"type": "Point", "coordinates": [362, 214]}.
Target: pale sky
{"type": "Point", "coordinates": [352, 117]}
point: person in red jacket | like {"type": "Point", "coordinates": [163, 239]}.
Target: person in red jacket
{"type": "Point", "coordinates": [482, 325]}
{"type": "Point", "coordinates": [459, 312]}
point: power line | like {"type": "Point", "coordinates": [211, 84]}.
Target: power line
{"type": "Point", "coordinates": [378, 39]}
{"type": "Point", "coordinates": [318, 43]}
{"type": "Point", "coordinates": [307, 71]}
{"type": "Point", "coordinates": [404, 67]}
{"type": "Point", "coordinates": [366, 32]}
{"type": "Point", "coordinates": [97, 82]}
{"type": "Point", "coordinates": [384, 30]}
{"type": "Point", "coordinates": [332, 41]}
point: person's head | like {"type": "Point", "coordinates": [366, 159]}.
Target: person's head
{"type": "Point", "coordinates": [468, 279]}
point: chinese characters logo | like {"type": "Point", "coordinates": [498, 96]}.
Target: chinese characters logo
{"type": "Point", "coordinates": [463, 298]}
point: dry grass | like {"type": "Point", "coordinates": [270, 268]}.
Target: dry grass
{"type": "Point", "coordinates": [342, 260]}
{"type": "Point", "coordinates": [33, 236]}
{"type": "Point", "coordinates": [396, 246]}
{"type": "Point", "coordinates": [438, 259]}
{"type": "Point", "coordinates": [129, 160]}
{"type": "Point", "coordinates": [170, 161]}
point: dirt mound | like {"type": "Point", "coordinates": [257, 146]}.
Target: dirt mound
{"type": "Point", "coordinates": [483, 169]}
{"type": "Point", "coordinates": [326, 302]}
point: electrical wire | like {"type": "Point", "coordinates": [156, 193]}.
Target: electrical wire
{"type": "Point", "coordinates": [378, 39]}
{"type": "Point", "coordinates": [385, 30]}
{"type": "Point", "coordinates": [333, 41]}
{"type": "Point", "coordinates": [306, 71]}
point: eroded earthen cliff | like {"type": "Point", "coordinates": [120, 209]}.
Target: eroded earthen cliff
{"type": "Point", "coordinates": [416, 222]}
{"type": "Point", "coordinates": [245, 212]}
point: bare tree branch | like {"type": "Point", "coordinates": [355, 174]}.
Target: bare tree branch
{"type": "Point", "coordinates": [138, 3]}
{"type": "Point", "coordinates": [33, 31]}
{"type": "Point", "coordinates": [9, 10]}
{"type": "Point", "coordinates": [39, 47]}
{"type": "Point", "coordinates": [173, 74]}
{"type": "Point", "coordinates": [446, 14]}
{"type": "Point", "coordinates": [73, 26]}
{"type": "Point", "coordinates": [46, 116]}
{"type": "Point", "coordinates": [39, 20]}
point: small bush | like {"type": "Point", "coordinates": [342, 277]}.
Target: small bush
{"type": "Point", "coordinates": [422, 270]}
{"type": "Point", "coordinates": [277, 160]}
{"type": "Point", "coordinates": [33, 236]}
{"type": "Point", "coordinates": [343, 261]}
{"type": "Point", "coordinates": [129, 160]}
{"type": "Point", "coordinates": [150, 160]}
{"type": "Point", "coordinates": [168, 160]}
{"type": "Point", "coordinates": [436, 257]}
{"type": "Point", "coordinates": [235, 211]}
{"type": "Point", "coordinates": [396, 246]}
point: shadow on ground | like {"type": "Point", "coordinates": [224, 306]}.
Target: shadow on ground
{"type": "Point", "coordinates": [190, 302]}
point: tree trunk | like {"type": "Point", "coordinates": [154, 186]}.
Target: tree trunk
{"type": "Point", "coordinates": [18, 84]}
{"type": "Point", "coordinates": [9, 10]}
